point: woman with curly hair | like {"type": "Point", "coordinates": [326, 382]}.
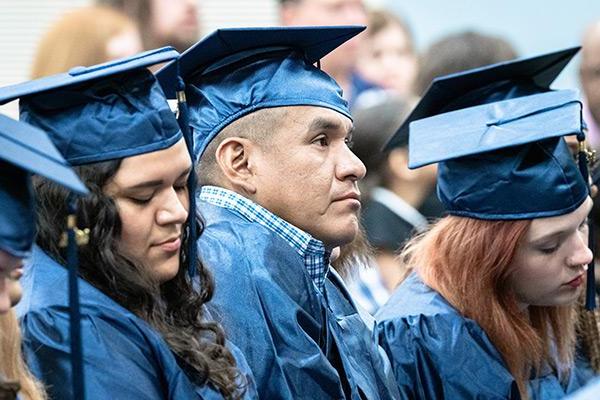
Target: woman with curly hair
{"type": "Point", "coordinates": [488, 310]}
{"type": "Point", "coordinates": [144, 330]}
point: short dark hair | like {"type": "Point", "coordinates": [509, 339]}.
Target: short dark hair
{"type": "Point", "coordinates": [257, 126]}
{"type": "Point", "coordinates": [373, 126]}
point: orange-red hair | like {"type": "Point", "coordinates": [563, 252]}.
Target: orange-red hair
{"type": "Point", "coordinates": [468, 261]}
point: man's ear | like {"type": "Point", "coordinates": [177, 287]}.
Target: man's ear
{"type": "Point", "coordinates": [234, 157]}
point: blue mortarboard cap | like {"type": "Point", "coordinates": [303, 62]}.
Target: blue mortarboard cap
{"type": "Point", "coordinates": [102, 112]}
{"type": "Point", "coordinates": [93, 114]}
{"type": "Point", "coordinates": [497, 133]}
{"type": "Point", "coordinates": [233, 72]}
{"type": "Point", "coordinates": [24, 150]}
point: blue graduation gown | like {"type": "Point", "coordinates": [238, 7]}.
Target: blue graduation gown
{"type": "Point", "coordinates": [590, 392]}
{"type": "Point", "coordinates": [124, 358]}
{"type": "Point", "coordinates": [299, 343]}
{"type": "Point", "coordinates": [436, 353]}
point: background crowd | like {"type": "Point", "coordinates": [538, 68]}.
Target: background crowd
{"type": "Point", "coordinates": [383, 73]}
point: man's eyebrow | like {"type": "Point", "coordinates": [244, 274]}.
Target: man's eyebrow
{"type": "Point", "coordinates": [320, 123]}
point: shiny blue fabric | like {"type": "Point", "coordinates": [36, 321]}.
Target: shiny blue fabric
{"type": "Point", "coordinates": [217, 99]}
{"type": "Point", "coordinates": [534, 180]}
{"type": "Point", "coordinates": [299, 343]}
{"type": "Point", "coordinates": [17, 218]}
{"type": "Point", "coordinates": [590, 392]}
{"type": "Point", "coordinates": [118, 117]}
{"type": "Point", "coordinates": [24, 150]}
{"type": "Point", "coordinates": [124, 358]}
{"type": "Point", "coordinates": [436, 353]}
{"type": "Point", "coordinates": [496, 133]}
{"type": "Point", "coordinates": [233, 72]}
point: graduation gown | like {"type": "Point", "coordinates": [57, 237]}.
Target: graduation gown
{"type": "Point", "coordinates": [436, 353]}
{"type": "Point", "coordinates": [124, 358]}
{"type": "Point", "coordinates": [300, 343]}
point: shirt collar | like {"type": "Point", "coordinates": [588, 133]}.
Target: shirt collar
{"type": "Point", "coordinates": [312, 251]}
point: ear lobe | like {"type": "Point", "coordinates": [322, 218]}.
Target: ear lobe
{"type": "Point", "coordinates": [234, 159]}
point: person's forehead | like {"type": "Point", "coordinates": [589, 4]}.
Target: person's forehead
{"type": "Point", "coordinates": [314, 117]}
{"type": "Point", "coordinates": [165, 163]}
{"type": "Point", "coordinates": [541, 227]}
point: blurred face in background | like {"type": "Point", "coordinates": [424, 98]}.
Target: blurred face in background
{"type": "Point", "coordinates": [124, 44]}
{"type": "Point", "coordinates": [329, 12]}
{"type": "Point", "coordinates": [387, 59]}
{"type": "Point", "coordinates": [589, 69]}
{"type": "Point", "coordinates": [175, 23]}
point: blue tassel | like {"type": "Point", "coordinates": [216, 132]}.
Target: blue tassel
{"type": "Point", "coordinates": [183, 120]}
{"type": "Point", "coordinates": [74, 307]}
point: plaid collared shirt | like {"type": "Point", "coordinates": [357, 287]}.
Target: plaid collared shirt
{"type": "Point", "coordinates": [312, 251]}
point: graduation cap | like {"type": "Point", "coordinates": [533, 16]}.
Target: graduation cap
{"type": "Point", "coordinates": [103, 112]}
{"type": "Point", "coordinates": [25, 149]}
{"type": "Point", "coordinates": [496, 132]}
{"type": "Point", "coordinates": [233, 72]}
{"type": "Point", "coordinates": [93, 114]}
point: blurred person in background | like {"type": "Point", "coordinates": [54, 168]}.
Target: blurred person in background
{"type": "Point", "coordinates": [387, 57]}
{"type": "Point", "coordinates": [455, 53]}
{"type": "Point", "coordinates": [391, 212]}
{"type": "Point", "coordinates": [162, 22]}
{"type": "Point", "coordinates": [459, 52]}
{"type": "Point", "coordinates": [589, 75]}
{"type": "Point", "coordinates": [341, 63]}
{"type": "Point", "coordinates": [86, 36]}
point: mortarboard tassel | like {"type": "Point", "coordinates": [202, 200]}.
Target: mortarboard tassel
{"type": "Point", "coordinates": [583, 158]}
{"type": "Point", "coordinates": [75, 237]}
{"type": "Point", "coordinates": [183, 120]}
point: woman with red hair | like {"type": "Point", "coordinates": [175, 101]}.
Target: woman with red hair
{"type": "Point", "coordinates": [488, 311]}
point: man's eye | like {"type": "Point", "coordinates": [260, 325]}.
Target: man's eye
{"type": "Point", "coordinates": [321, 141]}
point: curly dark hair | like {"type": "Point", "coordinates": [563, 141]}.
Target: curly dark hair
{"type": "Point", "coordinates": [174, 308]}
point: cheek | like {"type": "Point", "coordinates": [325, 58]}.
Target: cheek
{"type": "Point", "coordinates": [136, 224]}
{"type": "Point", "coordinates": [535, 277]}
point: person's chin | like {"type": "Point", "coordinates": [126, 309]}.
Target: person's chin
{"type": "Point", "coordinates": [344, 236]}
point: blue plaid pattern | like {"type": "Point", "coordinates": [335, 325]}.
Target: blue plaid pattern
{"type": "Point", "coordinates": [312, 251]}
